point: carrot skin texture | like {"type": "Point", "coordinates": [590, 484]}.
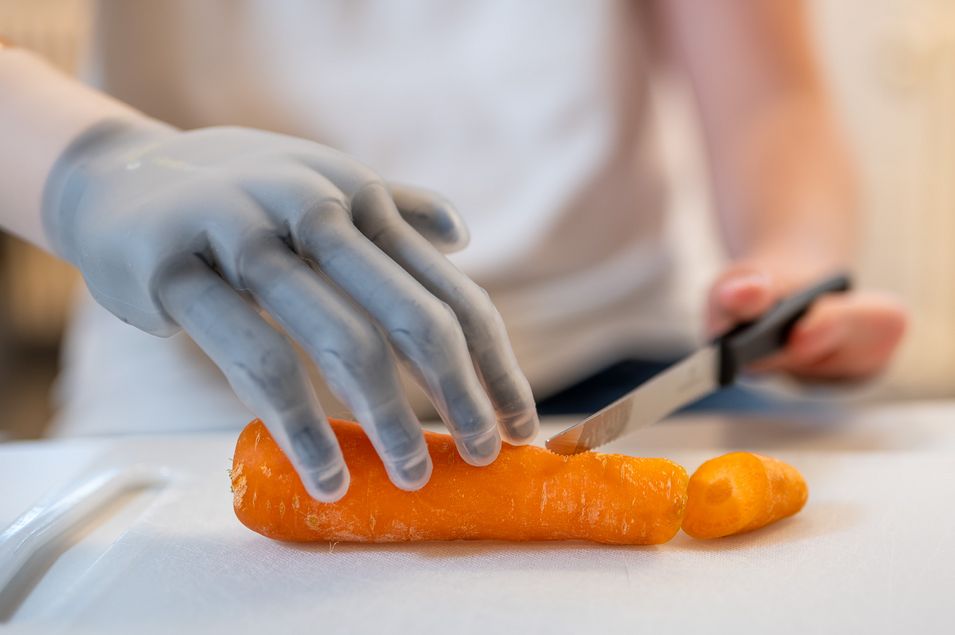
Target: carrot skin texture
{"type": "Point", "coordinates": [527, 494]}
{"type": "Point", "coordinates": [740, 492]}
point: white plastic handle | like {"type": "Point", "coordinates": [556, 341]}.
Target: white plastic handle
{"type": "Point", "coordinates": [54, 515]}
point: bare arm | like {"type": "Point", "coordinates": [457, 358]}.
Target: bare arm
{"type": "Point", "coordinates": [41, 112]}
{"type": "Point", "coordinates": [782, 177]}
{"type": "Point", "coordinates": [781, 174]}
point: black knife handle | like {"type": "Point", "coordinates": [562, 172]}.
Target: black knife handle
{"type": "Point", "coordinates": [750, 341]}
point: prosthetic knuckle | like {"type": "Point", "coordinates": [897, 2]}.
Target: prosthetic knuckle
{"type": "Point", "coordinates": [322, 227]}
{"type": "Point", "coordinates": [366, 180]}
{"type": "Point", "coordinates": [428, 325]}
{"type": "Point", "coordinates": [236, 233]}
{"type": "Point", "coordinates": [477, 310]}
{"type": "Point", "coordinates": [358, 349]}
{"type": "Point", "coordinates": [371, 184]}
{"type": "Point", "coordinates": [290, 200]}
{"type": "Point", "coordinates": [374, 188]}
{"type": "Point", "coordinates": [246, 259]}
{"type": "Point", "coordinates": [322, 214]}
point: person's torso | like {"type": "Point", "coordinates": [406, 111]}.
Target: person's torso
{"type": "Point", "coordinates": [532, 117]}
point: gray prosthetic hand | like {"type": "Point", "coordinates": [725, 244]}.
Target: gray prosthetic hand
{"type": "Point", "coordinates": [178, 229]}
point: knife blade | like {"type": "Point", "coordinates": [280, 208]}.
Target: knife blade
{"type": "Point", "coordinates": [711, 368]}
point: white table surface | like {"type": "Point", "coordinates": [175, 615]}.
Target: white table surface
{"type": "Point", "coordinates": [873, 552]}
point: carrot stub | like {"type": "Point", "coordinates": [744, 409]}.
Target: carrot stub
{"type": "Point", "coordinates": [528, 493]}
{"type": "Point", "coordinates": [740, 492]}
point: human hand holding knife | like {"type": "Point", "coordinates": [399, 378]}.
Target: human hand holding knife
{"type": "Point", "coordinates": [707, 370]}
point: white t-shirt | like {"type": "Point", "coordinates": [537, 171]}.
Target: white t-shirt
{"type": "Point", "coordinates": [533, 117]}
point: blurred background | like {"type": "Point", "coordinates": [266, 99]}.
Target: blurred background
{"type": "Point", "coordinates": [891, 64]}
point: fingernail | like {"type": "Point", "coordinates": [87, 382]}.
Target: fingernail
{"type": "Point", "coordinates": [481, 449]}
{"type": "Point", "coordinates": [412, 473]}
{"type": "Point", "coordinates": [520, 427]}
{"type": "Point", "coordinates": [744, 282]}
{"type": "Point", "coordinates": [328, 485]}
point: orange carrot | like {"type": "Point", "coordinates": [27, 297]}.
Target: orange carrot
{"type": "Point", "coordinates": [526, 494]}
{"type": "Point", "coordinates": [740, 492]}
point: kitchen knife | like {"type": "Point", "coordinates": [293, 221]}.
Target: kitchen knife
{"type": "Point", "coordinates": [705, 371]}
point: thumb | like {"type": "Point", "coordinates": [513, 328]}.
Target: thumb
{"type": "Point", "coordinates": [742, 293]}
{"type": "Point", "coordinates": [432, 216]}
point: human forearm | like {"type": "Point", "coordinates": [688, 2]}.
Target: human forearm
{"type": "Point", "coordinates": [41, 112]}
{"type": "Point", "coordinates": [785, 188]}
{"type": "Point", "coordinates": [781, 175]}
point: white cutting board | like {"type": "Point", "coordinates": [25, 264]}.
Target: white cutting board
{"type": "Point", "coordinates": [873, 550]}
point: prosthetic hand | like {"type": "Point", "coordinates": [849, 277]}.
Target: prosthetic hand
{"type": "Point", "coordinates": [178, 229]}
